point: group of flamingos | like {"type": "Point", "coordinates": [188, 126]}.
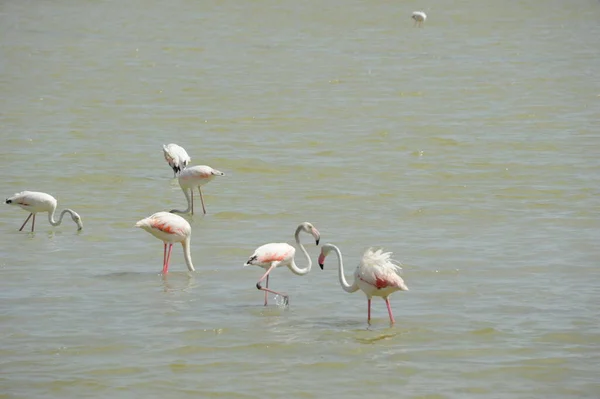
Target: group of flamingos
{"type": "Point", "coordinates": [376, 275]}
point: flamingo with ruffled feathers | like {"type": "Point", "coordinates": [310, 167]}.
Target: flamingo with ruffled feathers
{"type": "Point", "coordinates": [177, 157]}
{"type": "Point", "coordinates": [35, 202]}
{"type": "Point", "coordinates": [170, 229]}
{"type": "Point", "coordinates": [376, 275]}
{"type": "Point", "coordinates": [270, 256]}
{"type": "Point", "coordinates": [192, 177]}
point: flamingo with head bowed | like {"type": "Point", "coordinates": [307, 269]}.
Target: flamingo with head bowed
{"type": "Point", "coordinates": [376, 275]}
{"type": "Point", "coordinates": [269, 256]}
{"type": "Point", "coordinates": [419, 17]}
{"type": "Point", "coordinates": [34, 202]}
{"type": "Point", "coordinates": [177, 158]}
{"type": "Point", "coordinates": [192, 177]}
{"type": "Point", "coordinates": [169, 228]}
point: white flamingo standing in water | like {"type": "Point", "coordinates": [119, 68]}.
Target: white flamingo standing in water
{"type": "Point", "coordinates": [269, 256]}
{"type": "Point", "coordinates": [177, 158]}
{"type": "Point", "coordinates": [192, 177]}
{"type": "Point", "coordinates": [419, 17]}
{"type": "Point", "coordinates": [34, 202]}
{"type": "Point", "coordinates": [376, 275]}
{"type": "Point", "coordinates": [169, 228]}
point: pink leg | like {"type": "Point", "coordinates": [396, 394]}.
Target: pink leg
{"type": "Point", "coordinates": [369, 310]}
{"type": "Point", "coordinates": [202, 199]}
{"type": "Point", "coordinates": [26, 220]}
{"type": "Point", "coordinates": [166, 266]}
{"type": "Point", "coordinates": [33, 223]}
{"type": "Point", "coordinates": [387, 302]}
{"type": "Point", "coordinates": [285, 297]}
{"type": "Point", "coordinates": [165, 256]}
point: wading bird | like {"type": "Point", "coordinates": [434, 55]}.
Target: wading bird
{"type": "Point", "coordinates": [269, 256]}
{"type": "Point", "coordinates": [177, 158]}
{"type": "Point", "coordinates": [376, 275]}
{"type": "Point", "coordinates": [192, 177]}
{"type": "Point", "coordinates": [34, 202]}
{"type": "Point", "coordinates": [419, 17]}
{"type": "Point", "coordinates": [169, 228]}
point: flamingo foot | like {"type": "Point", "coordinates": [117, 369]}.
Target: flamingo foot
{"type": "Point", "coordinates": [286, 298]}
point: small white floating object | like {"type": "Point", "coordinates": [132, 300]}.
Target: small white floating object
{"type": "Point", "coordinates": [419, 17]}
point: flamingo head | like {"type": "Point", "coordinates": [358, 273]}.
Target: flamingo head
{"type": "Point", "coordinates": [310, 229]}
{"type": "Point", "coordinates": [77, 219]}
{"type": "Point", "coordinates": [325, 249]}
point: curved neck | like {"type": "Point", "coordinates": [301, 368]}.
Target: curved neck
{"type": "Point", "coordinates": [60, 218]}
{"type": "Point", "coordinates": [186, 254]}
{"type": "Point", "coordinates": [347, 287]}
{"type": "Point", "coordinates": [186, 192]}
{"type": "Point", "coordinates": [293, 267]}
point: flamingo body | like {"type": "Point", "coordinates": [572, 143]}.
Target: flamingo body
{"type": "Point", "coordinates": [377, 274]}
{"type": "Point", "coordinates": [192, 177]}
{"type": "Point", "coordinates": [270, 256]}
{"type": "Point", "coordinates": [264, 256]}
{"type": "Point", "coordinates": [419, 17]}
{"type": "Point", "coordinates": [170, 229]}
{"type": "Point", "coordinates": [177, 158]}
{"type": "Point", "coordinates": [35, 202]}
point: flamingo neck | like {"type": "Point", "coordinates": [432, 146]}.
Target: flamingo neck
{"type": "Point", "coordinates": [347, 287]}
{"type": "Point", "coordinates": [60, 218]}
{"type": "Point", "coordinates": [187, 255]}
{"type": "Point", "coordinates": [293, 267]}
{"type": "Point", "coordinates": [186, 192]}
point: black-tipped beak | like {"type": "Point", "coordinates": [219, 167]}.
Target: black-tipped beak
{"type": "Point", "coordinates": [321, 265]}
{"type": "Point", "coordinates": [317, 240]}
{"type": "Point", "coordinates": [9, 201]}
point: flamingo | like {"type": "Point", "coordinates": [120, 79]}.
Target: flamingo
{"type": "Point", "coordinates": [419, 17]}
{"type": "Point", "coordinates": [195, 176]}
{"type": "Point", "coordinates": [169, 228]}
{"type": "Point", "coordinates": [376, 275]}
{"type": "Point", "coordinates": [177, 158]}
{"type": "Point", "coordinates": [269, 256]}
{"type": "Point", "coordinates": [34, 202]}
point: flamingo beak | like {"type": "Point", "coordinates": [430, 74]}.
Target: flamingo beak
{"type": "Point", "coordinates": [321, 261]}
{"type": "Point", "coordinates": [317, 235]}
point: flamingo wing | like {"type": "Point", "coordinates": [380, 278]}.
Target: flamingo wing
{"type": "Point", "coordinates": [32, 201]}
{"type": "Point", "coordinates": [166, 224]}
{"type": "Point", "coordinates": [176, 156]}
{"type": "Point", "coordinates": [378, 269]}
{"type": "Point", "coordinates": [266, 254]}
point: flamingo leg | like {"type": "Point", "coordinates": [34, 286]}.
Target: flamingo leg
{"type": "Point", "coordinates": [369, 310]}
{"type": "Point", "coordinates": [33, 223]}
{"type": "Point", "coordinates": [266, 293]}
{"type": "Point", "coordinates": [192, 191]}
{"type": "Point", "coordinates": [166, 266]}
{"type": "Point", "coordinates": [202, 199]}
{"type": "Point", "coordinates": [25, 222]}
{"type": "Point", "coordinates": [266, 275]}
{"type": "Point", "coordinates": [165, 256]}
{"type": "Point", "coordinates": [387, 302]}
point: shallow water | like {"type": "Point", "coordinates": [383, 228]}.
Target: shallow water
{"type": "Point", "coordinates": [468, 147]}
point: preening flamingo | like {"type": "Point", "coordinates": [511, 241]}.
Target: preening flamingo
{"type": "Point", "coordinates": [169, 228]}
{"type": "Point", "coordinates": [419, 17]}
{"type": "Point", "coordinates": [269, 256]}
{"type": "Point", "coordinates": [376, 275]}
{"type": "Point", "coordinates": [195, 176]}
{"type": "Point", "coordinates": [177, 158]}
{"type": "Point", "coordinates": [34, 202]}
